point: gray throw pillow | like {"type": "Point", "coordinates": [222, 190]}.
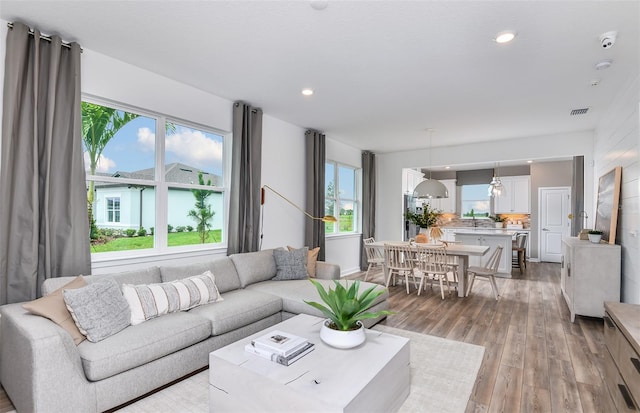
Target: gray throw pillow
{"type": "Point", "coordinates": [99, 309]}
{"type": "Point", "coordinates": [291, 265]}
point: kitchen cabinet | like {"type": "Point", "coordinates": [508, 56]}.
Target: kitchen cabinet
{"type": "Point", "coordinates": [446, 205]}
{"type": "Point", "coordinates": [621, 357]}
{"type": "Point", "coordinates": [492, 240]}
{"type": "Point", "coordinates": [589, 276]}
{"type": "Point", "coordinates": [516, 198]}
{"type": "Point", "coordinates": [410, 179]}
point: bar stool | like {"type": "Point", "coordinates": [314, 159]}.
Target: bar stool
{"type": "Point", "coordinates": [519, 252]}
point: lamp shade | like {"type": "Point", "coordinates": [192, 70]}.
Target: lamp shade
{"type": "Point", "coordinates": [431, 188]}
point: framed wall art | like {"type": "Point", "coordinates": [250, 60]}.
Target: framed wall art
{"type": "Point", "coordinates": [608, 202]}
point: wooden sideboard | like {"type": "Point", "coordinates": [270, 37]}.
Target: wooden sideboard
{"type": "Point", "coordinates": [622, 357]}
{"type": "Point", "coordinates": [589, 276]}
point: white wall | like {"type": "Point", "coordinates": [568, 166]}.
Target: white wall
{"type": "Point", "coordinates": [389, 168]}
{"type": "Point", "coordinates": [283, 169]}
{"type": "Point", "coordinates": [617, 143]}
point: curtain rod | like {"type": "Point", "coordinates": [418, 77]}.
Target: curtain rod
{"type": "Point", "coordinates": [44, 37]}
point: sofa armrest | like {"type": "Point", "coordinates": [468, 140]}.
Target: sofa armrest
{"type": "Point", "coordinates": [327, 271]}
{"type": "Point", "coordinates": [40, 366]}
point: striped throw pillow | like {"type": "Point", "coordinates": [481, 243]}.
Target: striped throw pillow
{"type": "Point", "coordinates": [153, 300]}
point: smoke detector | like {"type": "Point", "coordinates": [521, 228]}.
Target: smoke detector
{"type": "Point", "coordinates": [608, 39]}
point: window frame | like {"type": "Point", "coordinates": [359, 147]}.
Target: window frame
{"type": "Point", "coordinates": [107, 198]}
{"type": "Point", "coordinates": [338, 201]}
{"type": "Point", "coordinates": [162, 186]}
{"type": "Point", "coordinates": [462, 200]}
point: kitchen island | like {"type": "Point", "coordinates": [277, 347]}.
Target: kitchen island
{"type": "Point", "coordinates": [491, 238]}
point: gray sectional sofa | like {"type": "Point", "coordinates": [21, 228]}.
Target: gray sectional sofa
{"type": "Point", "coordinates": [42, 370]}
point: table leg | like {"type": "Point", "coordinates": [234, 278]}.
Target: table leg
{"type": "Point", "coordinates": [463, 264]}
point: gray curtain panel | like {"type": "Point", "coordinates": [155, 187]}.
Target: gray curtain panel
{"type": "Point", "coordinates": [368, 202]}
{"type": "Point", "coordinates": [44, 229]}
{"type": "Point", "coordinates": [244, 193]}
{"type": "Point", "coordinates": [315, 157]}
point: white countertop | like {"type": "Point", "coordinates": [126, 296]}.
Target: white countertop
{"type": "Point", "coordinates": [486, 232]}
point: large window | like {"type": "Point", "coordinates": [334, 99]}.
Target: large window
{"type": "Point", "coordinates": [341, 198]}
{"type": "Point", "coordinates": [168, 177]}
{"type": "Point", "coordinates": [475, 202]}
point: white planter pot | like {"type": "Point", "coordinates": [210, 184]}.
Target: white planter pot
{"type": "Point", "coordinates": [342, 339]}
{"type": "Point", "coordinates": [498, 224]}
{"type": "Point", "coordinates": [595, 238]}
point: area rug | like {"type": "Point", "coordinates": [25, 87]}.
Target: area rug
{"type": "Point", "coordinates": [443, 373]}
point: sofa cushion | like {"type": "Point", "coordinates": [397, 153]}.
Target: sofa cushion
{"type": "Point", "coordinates": [99, 309]}
{"type": "Point", "coordinates": [53, 307]}
{"type": "Point", "coordinates": [312, 258]}
{"type": "Point", "coordinates": [137, 345]}
{"type": "Point", "coordinates": [223, 269]}
{"type": "Point", "coordinates": [294, 292]}
{"type": "Point", "coordinates": [291, 265]}
{"type": "Point", "coordinates": [144, 276]}
{"type": "Point", "coordinates": [253, 267]}
{"type": "Point", "coordinates": [149, 301]}
{"type": "Point", "coordinates": [239, 308]}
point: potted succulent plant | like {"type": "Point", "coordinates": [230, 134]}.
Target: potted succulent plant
{"type": "Point", "coordinates": [345, 310]}
{"type": "Point", "coordinates": [498, 220]}
{"type": "Point", "coordinates": [595, 236]}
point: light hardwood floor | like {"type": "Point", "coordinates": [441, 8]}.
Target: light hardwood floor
{"type": "Point", "coordinates": [536, 360]}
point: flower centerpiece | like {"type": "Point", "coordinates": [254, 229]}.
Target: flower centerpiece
{"type": "Point", "coordinates": [425, 219]}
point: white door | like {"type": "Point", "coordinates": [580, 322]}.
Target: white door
{"type": "Point", "coordinates": [554, 204]}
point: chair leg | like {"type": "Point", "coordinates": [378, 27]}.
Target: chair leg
{"type": "Point", "coordinates": [366, 276]}
{"type": "Point", "coordinates": [389, 279]}
{"type": "Point", "coordinates": [406, 280]}
{"type": "Point", "coordinates": [494, 286]}
{"type": "Point", "coordinates": [472, 278]}
{"type": "Point", "coordinates": [441, 287]}
{"type": "Point", "coordinates": [421, 284]}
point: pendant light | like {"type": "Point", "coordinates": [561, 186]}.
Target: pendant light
{"type": "Point", "coordinates": [496, 189]}
{"type": "Point", "coordinates": [430, 188]}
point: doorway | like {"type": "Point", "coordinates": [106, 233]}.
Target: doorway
{"type": "Point", "coordinates": [554, 206]}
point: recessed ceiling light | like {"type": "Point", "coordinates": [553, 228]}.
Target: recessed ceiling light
{"type": "Point", "coordinates": [319, 4]}
{"type": "Point", "coordinates": [505, 37]}
{"type": "Point", "coordinates": [307, 92]}
{"type": "Point", "coordinates": [604, 64]}
{"type": "Point", "coordinates": [447, 167]}
{"type": "Point", "coordinates": [529, 161]}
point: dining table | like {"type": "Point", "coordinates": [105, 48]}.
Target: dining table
{"type": "Point", "coordinates": [462, 251]}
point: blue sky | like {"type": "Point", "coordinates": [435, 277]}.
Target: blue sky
{"type": "Point", "coordinates": [133, 148]}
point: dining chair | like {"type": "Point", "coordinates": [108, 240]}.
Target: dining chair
{"type": "Point", "coordinates": [432, 263]}
{"type": "Point", "coordinates": [375, 256]}
{"type": "Point", "coordinates": [487, 272]}
{"type": "Point", "coordinates": [519, 251]}
{"type": "Point", "coordinates": [398, 259]}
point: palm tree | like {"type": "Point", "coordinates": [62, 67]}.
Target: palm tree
{"type": "Point", "coordinates": [202, 213]}
{"type": "Point", "coordinates": [99, 125]}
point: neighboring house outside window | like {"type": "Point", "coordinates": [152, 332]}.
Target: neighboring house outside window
{"type": "Point", "coordinates": [137, 203]}
{"type": "Point", "coordinates": [113, 209]}
{"type": "Point", "coordinates": [342, 190]}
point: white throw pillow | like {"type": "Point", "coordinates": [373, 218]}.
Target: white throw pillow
{"type": "Point", "coordinates": [153, 300]}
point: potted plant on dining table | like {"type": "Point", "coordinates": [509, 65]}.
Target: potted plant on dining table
{"type": "Point", "coordinates": [426, 219]}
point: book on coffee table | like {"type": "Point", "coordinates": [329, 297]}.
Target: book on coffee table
{"type": "Point", "coordinates": [280, 343]}
{"type": "Point", "coordinates": [285, 361]}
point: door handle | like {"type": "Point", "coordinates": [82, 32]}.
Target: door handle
{"type": "Point", "coordinates": [545, 229]}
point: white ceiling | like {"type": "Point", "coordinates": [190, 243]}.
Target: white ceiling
{"type": "Point", "coordinates": [382, 71]}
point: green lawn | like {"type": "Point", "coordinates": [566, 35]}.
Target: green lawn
{"type": "Point", "coordinates": [174, 239]}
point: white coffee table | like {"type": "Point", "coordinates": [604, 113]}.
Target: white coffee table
{"type": "Point", "coordinates": [373, 377]}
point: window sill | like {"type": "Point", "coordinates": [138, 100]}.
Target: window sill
{"type": "Point", "coordinates": [343, 235]}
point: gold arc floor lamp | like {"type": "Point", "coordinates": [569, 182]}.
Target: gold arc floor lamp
{"type": "Point", "coordinates": [326, 218]}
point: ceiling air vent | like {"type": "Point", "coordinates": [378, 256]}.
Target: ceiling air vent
{"type": "Point", "coordinates": [579, 111]}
